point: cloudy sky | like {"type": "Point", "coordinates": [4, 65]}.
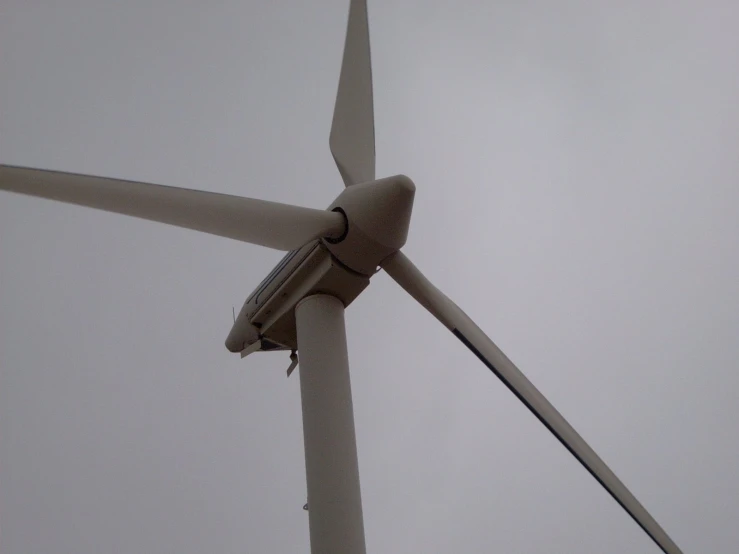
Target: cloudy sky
{"type": "Point", "coordinates": [577, 170]}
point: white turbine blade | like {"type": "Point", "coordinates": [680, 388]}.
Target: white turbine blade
{"type": "Point", "coordinates": [270, 224]}
{"type": "Point", "coordinates": [352, 138]}
{"type": "Point", "coordinates": [408, 276]}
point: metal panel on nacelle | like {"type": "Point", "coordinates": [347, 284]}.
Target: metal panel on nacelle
{"type": "Point", "coordinates": [268, 315]}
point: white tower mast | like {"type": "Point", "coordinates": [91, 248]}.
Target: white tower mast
{"type": "Point", "coordinates": [332, 473]}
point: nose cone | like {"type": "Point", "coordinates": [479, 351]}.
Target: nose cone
{"type": "Point", "coordinates": [380, 209]}
{"type": "Point", "coordinates": [378, 216]}
{"type": "Point", "coordinates": [392, 210]}
{"type": "Point", "coordinates": [404, 182]}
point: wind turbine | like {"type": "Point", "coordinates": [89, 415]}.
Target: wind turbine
{"type": "Point", "coordinates": [300, 305]}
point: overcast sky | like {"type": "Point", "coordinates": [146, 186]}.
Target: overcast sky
{"type": "Point", "coordinates": [577, 172]}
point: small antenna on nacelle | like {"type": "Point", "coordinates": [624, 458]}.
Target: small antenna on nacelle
{"type": "Point", "coordinates": [233, 310]}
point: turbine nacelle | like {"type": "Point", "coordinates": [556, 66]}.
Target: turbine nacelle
{"type": "Point", "coordinates": [377, 215]}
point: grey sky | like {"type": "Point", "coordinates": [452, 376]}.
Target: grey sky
{"type": "Point", "coordinates": [577, 170]}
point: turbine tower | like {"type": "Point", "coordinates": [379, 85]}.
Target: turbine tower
{"type": "Point", "coordinates": [299, 307]}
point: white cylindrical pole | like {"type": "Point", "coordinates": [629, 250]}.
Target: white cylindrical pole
{"type": "Point", "coordinates": [334, 499]}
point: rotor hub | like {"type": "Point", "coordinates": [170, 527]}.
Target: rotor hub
{"type": "Point", "coordinates": [378, 215]}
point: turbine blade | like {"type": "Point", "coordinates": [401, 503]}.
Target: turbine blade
{"type": "Point", "coordinates": [352, 138]}
{"type": "Point", "coordinates": [270, 224]}
{"type": "Point", "coordinates": [408, 276]}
